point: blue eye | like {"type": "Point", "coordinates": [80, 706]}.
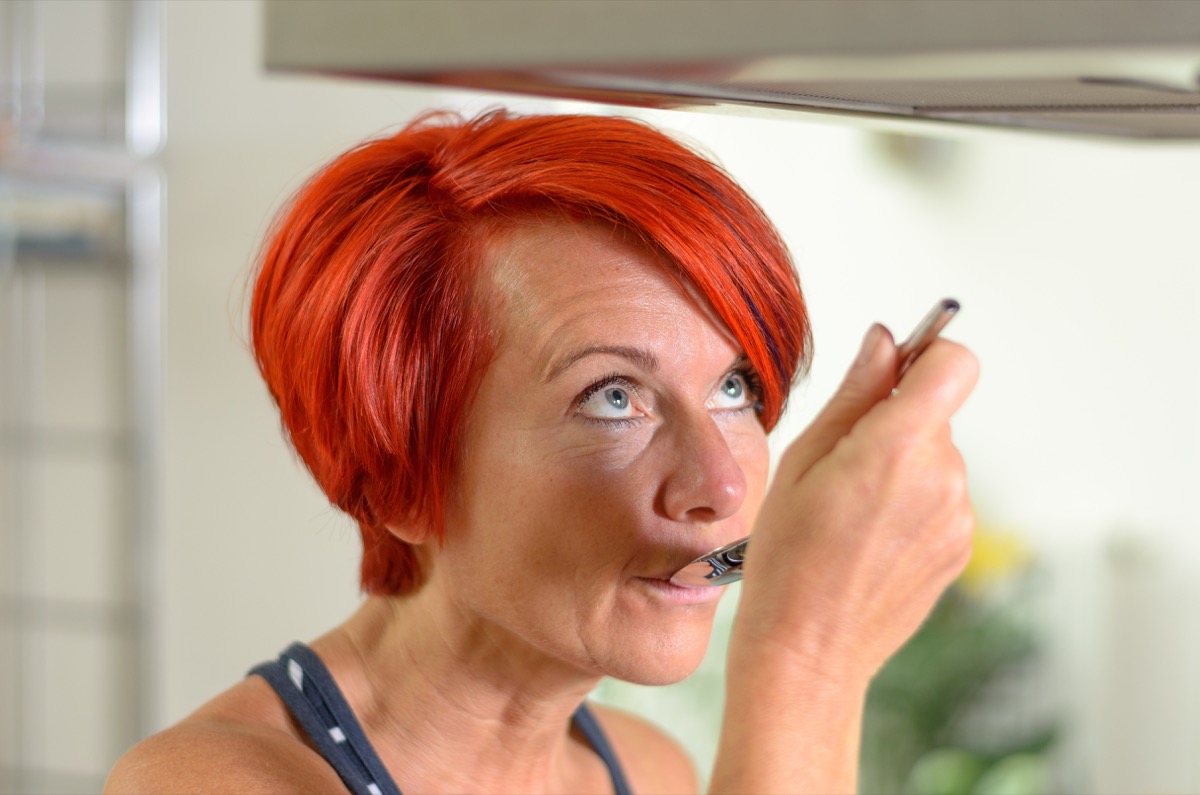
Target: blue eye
{"type": "Point", "coordinates": [607, 401]}
{"type": "Point", "coordinates": [616, 398]}
{"type": "Point", "coordinates": [733, 393]}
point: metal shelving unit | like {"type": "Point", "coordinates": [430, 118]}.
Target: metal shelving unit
{"type": "Point", "coordinates": [80, 384]}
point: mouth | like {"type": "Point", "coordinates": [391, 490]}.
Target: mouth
{"type": "Point", "coordinates": [679, 563]}
{"type": "Point", "coordinates": [663, 589]}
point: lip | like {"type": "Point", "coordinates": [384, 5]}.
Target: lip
{"type": "Point", "coordinates": [663, 588]}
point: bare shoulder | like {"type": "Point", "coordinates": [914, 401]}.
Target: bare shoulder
{"type": "Point", "coordinates": [242, 741]}
{"type": "Point", "coordinates": [653, 761]}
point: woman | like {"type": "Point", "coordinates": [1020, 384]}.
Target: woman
{"type": "Point", "coordinates": [536, 359]}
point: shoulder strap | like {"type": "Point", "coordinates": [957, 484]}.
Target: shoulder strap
{"type": "Point", "coordinates": [310, 694]}
{"type": "Point", "coordinates": [586, 721]}
{"type": "Point", "coordinates": [307, 689]}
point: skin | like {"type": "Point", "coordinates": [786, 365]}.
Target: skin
{"type": "Point", "coordinates": [612, 441]}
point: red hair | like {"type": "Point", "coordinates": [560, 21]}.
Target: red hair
{"type": "Point", "coordinates": [365, 321]}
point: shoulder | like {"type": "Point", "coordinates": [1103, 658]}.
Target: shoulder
{"type": "Point", "coordinates": [239, 742]}
{"type": "Point", "coordinates": [653, 761]}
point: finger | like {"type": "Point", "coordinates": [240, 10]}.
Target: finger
{"type": "Point", "coordinates": [937, 384]}
{"type": "Point", "coordinates": [869, 380]}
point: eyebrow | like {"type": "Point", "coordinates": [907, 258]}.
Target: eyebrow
{"type": "Point", "coordinates": [642, 358]}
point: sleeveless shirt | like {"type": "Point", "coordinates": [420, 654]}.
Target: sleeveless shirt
{"type": "Point", "coordinates": [312, 696]}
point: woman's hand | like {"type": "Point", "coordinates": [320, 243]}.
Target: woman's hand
{"type": "Point", "coordinates": [868, 519]}
{"type": "Point", "coordinates": [866, 523]}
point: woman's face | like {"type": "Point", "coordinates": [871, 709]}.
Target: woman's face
{"type": "Point", "coordinates": [613, 439]}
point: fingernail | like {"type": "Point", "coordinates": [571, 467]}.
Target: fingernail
{"type": "Point", "coordinates": [870, 342]}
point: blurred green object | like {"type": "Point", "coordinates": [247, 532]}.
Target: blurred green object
{"type": "Point", "coordinates": [927, 729]}
{"type": "Point", "coordinates": [1019, 774]}
{"type": "Point", "coordinates": [945, 771]}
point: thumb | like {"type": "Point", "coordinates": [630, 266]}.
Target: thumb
{"type": "Point", "coordinates": [870, 379]}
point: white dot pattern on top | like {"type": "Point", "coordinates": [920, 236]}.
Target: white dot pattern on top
{"type": "Point", "coordinates": [296, 674]}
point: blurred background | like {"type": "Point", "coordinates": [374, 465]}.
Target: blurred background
{"type": "Point", "coordinates": [157, 537]}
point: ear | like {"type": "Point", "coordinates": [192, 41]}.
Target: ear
{"type": "Point", "coordinates": [415, 533]}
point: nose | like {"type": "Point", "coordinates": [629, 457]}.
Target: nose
{"type": "Point", "coordinates": [705, 482]}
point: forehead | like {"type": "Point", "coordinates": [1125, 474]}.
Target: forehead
{"type": "Point", "coordinates": [560, 284]}
{"type": "Point", "coordinates": [550, 270]}
{"type": "Point", "coordinates": [544, 265]}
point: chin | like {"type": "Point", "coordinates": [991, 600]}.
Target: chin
{"type": "Point", "coordinates": [657, 656]}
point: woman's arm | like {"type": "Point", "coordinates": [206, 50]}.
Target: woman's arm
{"type": "Point", "coordinates": [867, 522]}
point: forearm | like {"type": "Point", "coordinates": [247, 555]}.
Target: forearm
{"type": "Point", "coordinates": [788, 729]}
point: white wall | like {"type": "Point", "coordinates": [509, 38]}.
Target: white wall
{"type": "Point", "coordinates": [253, 557]}
{"type": "Point", "coordinates": [1075, 262]}
{"type": "Point", "coordinates": [1077, 267]}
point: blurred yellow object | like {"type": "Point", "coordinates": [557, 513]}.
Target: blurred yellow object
{"type": "Point", "coordinates": [996, 556]}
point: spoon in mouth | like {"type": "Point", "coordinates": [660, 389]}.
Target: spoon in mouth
{"type": "Point", "coordinates": [723, 565]}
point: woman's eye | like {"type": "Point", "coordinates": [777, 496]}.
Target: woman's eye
{"type": "Point", "coordinates": [608, 402]}
{"type": "Point", "coordinates": [733, 393]}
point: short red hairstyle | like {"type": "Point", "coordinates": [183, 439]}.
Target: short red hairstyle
{"type": "Point", "coordinates": [372, 337]}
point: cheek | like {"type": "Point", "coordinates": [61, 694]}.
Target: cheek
{"type": "Point", "coordinates": [546, 503]}
{"type": "Point", "coordinates": [595, 498]}
{"type": "Point", "coordinates": [585, 469]}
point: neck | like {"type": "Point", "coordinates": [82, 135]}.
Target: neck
{"type": "Point", "coordinates": [433, 687]}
